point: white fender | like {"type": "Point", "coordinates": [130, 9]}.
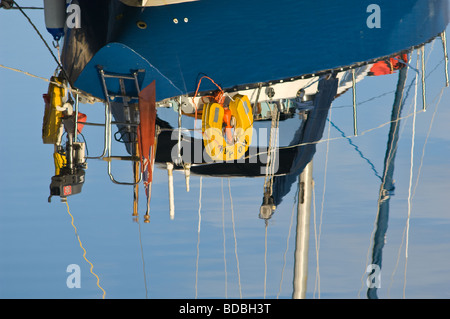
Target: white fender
{"type": "Point", "coordinates": [55, 17]}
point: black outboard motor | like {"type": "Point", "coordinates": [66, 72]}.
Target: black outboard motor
{"type": "Point", "coordinates": [67, 184]}
{"type": "Point", "coordinates": [70, 179]}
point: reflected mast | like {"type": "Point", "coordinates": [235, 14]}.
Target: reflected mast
{"type": "Point", "coordinates": [387, 183]}
{"type": "Point", "coordinates": [305, 181]}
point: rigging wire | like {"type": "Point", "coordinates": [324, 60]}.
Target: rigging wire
{"type": "Point", "coordinates": [365, 101]}
{"type": "Point", "coordinates": [28, 8]}
{"type": "Point", "coordinates": [43, 40]}
{"type": "Point", "coordinates": [272, 149]}
{"type": "Point", "coordinates": [356, 148]}
{"type": "Point", "coordinates": [9, 4]}
{"type": "Point", "coordinates": [84, 252]}
{"type": "Point", "coordinates": [359, 133]}
{"type": "Point", "coordinates": [380, 195]}
{"type": "Point", "coordinates": [337, 138]}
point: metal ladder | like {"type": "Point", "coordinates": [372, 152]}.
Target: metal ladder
{"type": "Point", "coordinates": [129, 123]}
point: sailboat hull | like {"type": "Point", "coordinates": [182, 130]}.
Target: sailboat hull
{"type": "Point", "coordinates": [240, 43]}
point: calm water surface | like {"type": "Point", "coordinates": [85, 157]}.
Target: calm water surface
{"type": "Point", "coordinates": [217, 247]}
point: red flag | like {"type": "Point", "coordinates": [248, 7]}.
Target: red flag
{"type": "Point", "coordinates": [81, 120]}
{"type": "Point", "coordinates": [146, 135]}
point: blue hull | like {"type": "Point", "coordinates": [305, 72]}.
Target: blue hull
{"type": "Point", "coordinates": [239, 42]}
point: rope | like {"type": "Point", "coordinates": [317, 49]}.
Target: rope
{"type": "Point", "coordinates": [198, 236]}
{"type": "Point", "coordinates": [265, 257]}
{"type": "Point", "coordinates": [224, 246]}
{"type": "Point", "coordinates": [235, 239]}
{"type": "Point", "coordinates": [411, 175]}
{"type": "Point", "coordinates": [84, 252]}
{"type": "Point", "coordinates": [29, 74]}
{"type": "Point", "coordinates": [196, 92]}
{"type": "Point", "coordinates": [271, 153]}
{"type": "Point", "coordinates": [40, 78]}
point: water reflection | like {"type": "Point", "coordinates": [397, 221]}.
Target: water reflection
{"type": "Point", "coordinates": [295, 172]}
{"type": "Point", "coordinates": [189, 255]}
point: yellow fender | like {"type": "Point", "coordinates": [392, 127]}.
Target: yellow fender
{"type": "Point", "coordinates": [216, 145]}
{"type": "Point", "coordinates": [52, 117]}
{"type": "Point", "coordinates": [60, 161]}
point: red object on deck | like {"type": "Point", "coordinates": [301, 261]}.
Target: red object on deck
{"type": "Point", "coordinates": [388, 66]}
{"type": "Point", "coordinates": [81, 119]}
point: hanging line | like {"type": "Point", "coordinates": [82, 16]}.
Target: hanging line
{"type": "Point", "coordinates": [198, 236]}
{"type": "Point", "coordinates": [411, 171]}
{"type": "Point", "coordinates": [288, 238]}
{"type": "Point", "coordinates": [356, 147]}
{"type": "Point", "coordinates": [271, 152]}
{"type": "Point", "coordinates": [224, 245]}
{"type": "Point", "coordinates": [235, 239]}
{"type": "Point", "coordinates": [196, 92]}
{"type": "Point", "coordinates": [265, 257]}
{"type": "Point", "coordinates": [84, 252]}
{"type": "Point", "coordinates": [142, 256]}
